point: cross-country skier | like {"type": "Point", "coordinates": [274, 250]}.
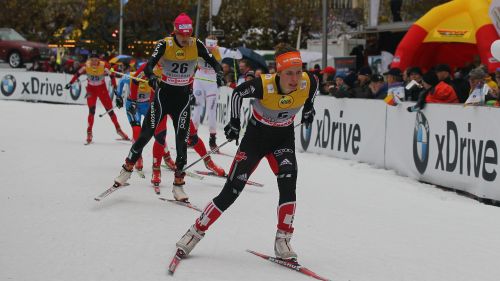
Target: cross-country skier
{"type": "Point", "coordinates": [96, 71]}
{"type": "Point", "coordinates": [278, 97]}
{"type": "Point", "coordinates": [177, 55]}
{"type": "Point", "coordinates": [205, 92]}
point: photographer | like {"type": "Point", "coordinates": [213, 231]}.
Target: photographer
{"type": "Point", "coordinates": [434, 91]}
{"type": "Point", "coordinates": [414, 86]}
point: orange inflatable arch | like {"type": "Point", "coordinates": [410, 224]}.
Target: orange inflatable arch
{"type": "Point", "coordinates": [452, 33]}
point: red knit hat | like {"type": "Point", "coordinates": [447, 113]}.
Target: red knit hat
{"type": "Point", "coordinates": [183, 24]}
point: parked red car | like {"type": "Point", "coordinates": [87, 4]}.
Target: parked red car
{"type": "Point", "coordinates": [16, 50]}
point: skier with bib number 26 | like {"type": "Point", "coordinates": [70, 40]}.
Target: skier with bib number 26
{"type": "Point", "coordinates": [177, 55]}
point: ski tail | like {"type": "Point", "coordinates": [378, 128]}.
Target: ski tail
{"type": "Point", "coordinates": [182, 203]}
{"type": "Point", "coordinates": [176, 260]}
{"type": "Point", "coordinates": [110, 190]}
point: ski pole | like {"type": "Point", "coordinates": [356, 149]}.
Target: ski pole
{"type": "Point", "coordinates": [143, 80]}
{"type": "Point", "coordinates": [206, 155]}
{"type": "Point", "coordinates": [204, 79]}
{"type": "Point", "coordinates": [131, 77]}
{"type": "Point", "coordinates": [101, 115]}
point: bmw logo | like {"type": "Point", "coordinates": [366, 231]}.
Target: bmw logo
{"type": "Point", "coordinates": [75, 90]}
{"type": "Point", "coordinates": [421, 142]}
{"type": "Point", "coordinates": [8, 85]}
{"type": "Point", "coordinates": [305, 136]}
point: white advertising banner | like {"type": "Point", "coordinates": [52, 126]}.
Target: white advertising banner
{"type": "Point", "coordinates": [345, 128]}
{"type": "Point", "coordinates": [40, 86]}
{"type": "Point", "coordinates": [447, 145]}
{"type": "Point", "coordinates": [224, 109]}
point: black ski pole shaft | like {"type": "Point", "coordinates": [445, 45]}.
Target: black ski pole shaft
{"type": "Point", "coordinates": [101, 115]}
{"type": "Point", "coordinates": [206, 155]}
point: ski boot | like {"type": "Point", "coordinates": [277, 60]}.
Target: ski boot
{"type": "Point", "coordinates": [282, 247]}
{"type": "Point", "coordinates": [156, 176]}
{"type": "Point", "coordinates": [139, 164]}
{"type": "Point", "coordinates": [210, 165]}
{"type": "Point", "coordinates": [125, 173]}
{"type": "Point", "coordinates": [169, 161]}
{"type": "Point", "coordinates": [211, 142]}
{"type": "Point", "coordinates": [189, 240]}
{"type": "Point", "coordinates": [177, 189]}
{"type": "Point", "coordinates": [89, 136]}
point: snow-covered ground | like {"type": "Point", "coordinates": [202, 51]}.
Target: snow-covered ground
{"type": "Point", "coordinates": [353, 222]}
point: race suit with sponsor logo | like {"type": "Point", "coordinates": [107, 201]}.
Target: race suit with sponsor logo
{"type": "Point", "coordinates": [173, 95]}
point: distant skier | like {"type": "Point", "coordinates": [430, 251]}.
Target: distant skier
{"type": "Point", "coordinates": [205, 92]}
{"type": "Point", "coordinates": [96, 71]}
{"type": "Point", "coordinates": [278, 97]}
{"type": "Point", "coordinates": [138, 102]}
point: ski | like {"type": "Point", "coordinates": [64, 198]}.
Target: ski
{"type": "Point", "coordinates": [182, 203]}
{"type": "Point", "coordinates": [212, 174]}
{"type": "Point", "coordinates": [141, 174]}
{"type": "Point", "coordinates": [179, 255]}
{"type": "Point", "coordinates": [156, 186]}
{"type": "Point", "coordinates": [110, 190]}
{"type": "Point", "coordinates": [189, 174]}
{"type": "Point", "coordinates": [292, 264]}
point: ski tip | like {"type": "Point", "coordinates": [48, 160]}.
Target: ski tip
{"type": "Point", "coordinates": [97, 199]}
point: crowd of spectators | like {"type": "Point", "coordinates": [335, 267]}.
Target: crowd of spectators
{"type": "Point", "coordinates": [65, 64]}
{"type": "Point", "coordinates": [471, 85]}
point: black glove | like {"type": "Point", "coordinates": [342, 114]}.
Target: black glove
{"type": "Point", "coordinates": [67, 86]}
{"type": "Point", "coordinates": [119, 101]}
{"type": "Point", "coordinates": [220, 79]}
{"type": "Point", "coordinates": [132, 108]}
{"type": "Point", "coordinates": [154, 81]}
{"type": "Point", "coordinates": [232, 130]}
{"type": "Point", "coordinates": [308, 113]}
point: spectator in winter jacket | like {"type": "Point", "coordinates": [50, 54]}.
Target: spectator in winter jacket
{"type": "Point", "coordinates": [341, 89]}
{"type": "Point", "coordinates": [480, 91]}
{"type": "Point", "coordinates": [378, 88]}
{"type": "Point", "coordinates": [395, 83]}
{"type": "Point", "coordinates": [327, 79]}
{"type": "Point", "coordinates": [361, 86]}
{"type": "Point", "coordinates": [459, 84]}
{"type": "Point", "coordinates": [328, 73]}
{"type": "Point", "coordinates": [413, 88]}
{"type": "Point", "coordinates": [434, 91]}
{"type": "Point", "coordinates": [244, 67]}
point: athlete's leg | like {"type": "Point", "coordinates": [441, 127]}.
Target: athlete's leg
{"type": "Point", "coordinates": [91, 102]}
{"type": "Point", "coordinates": [134, 118]}
{"type": "Point", "coordinates": [108, 104]}
{"type": "Point", "coordinates": [151, 121]}
{"type": "Point", "coordinates": [284, 155]}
